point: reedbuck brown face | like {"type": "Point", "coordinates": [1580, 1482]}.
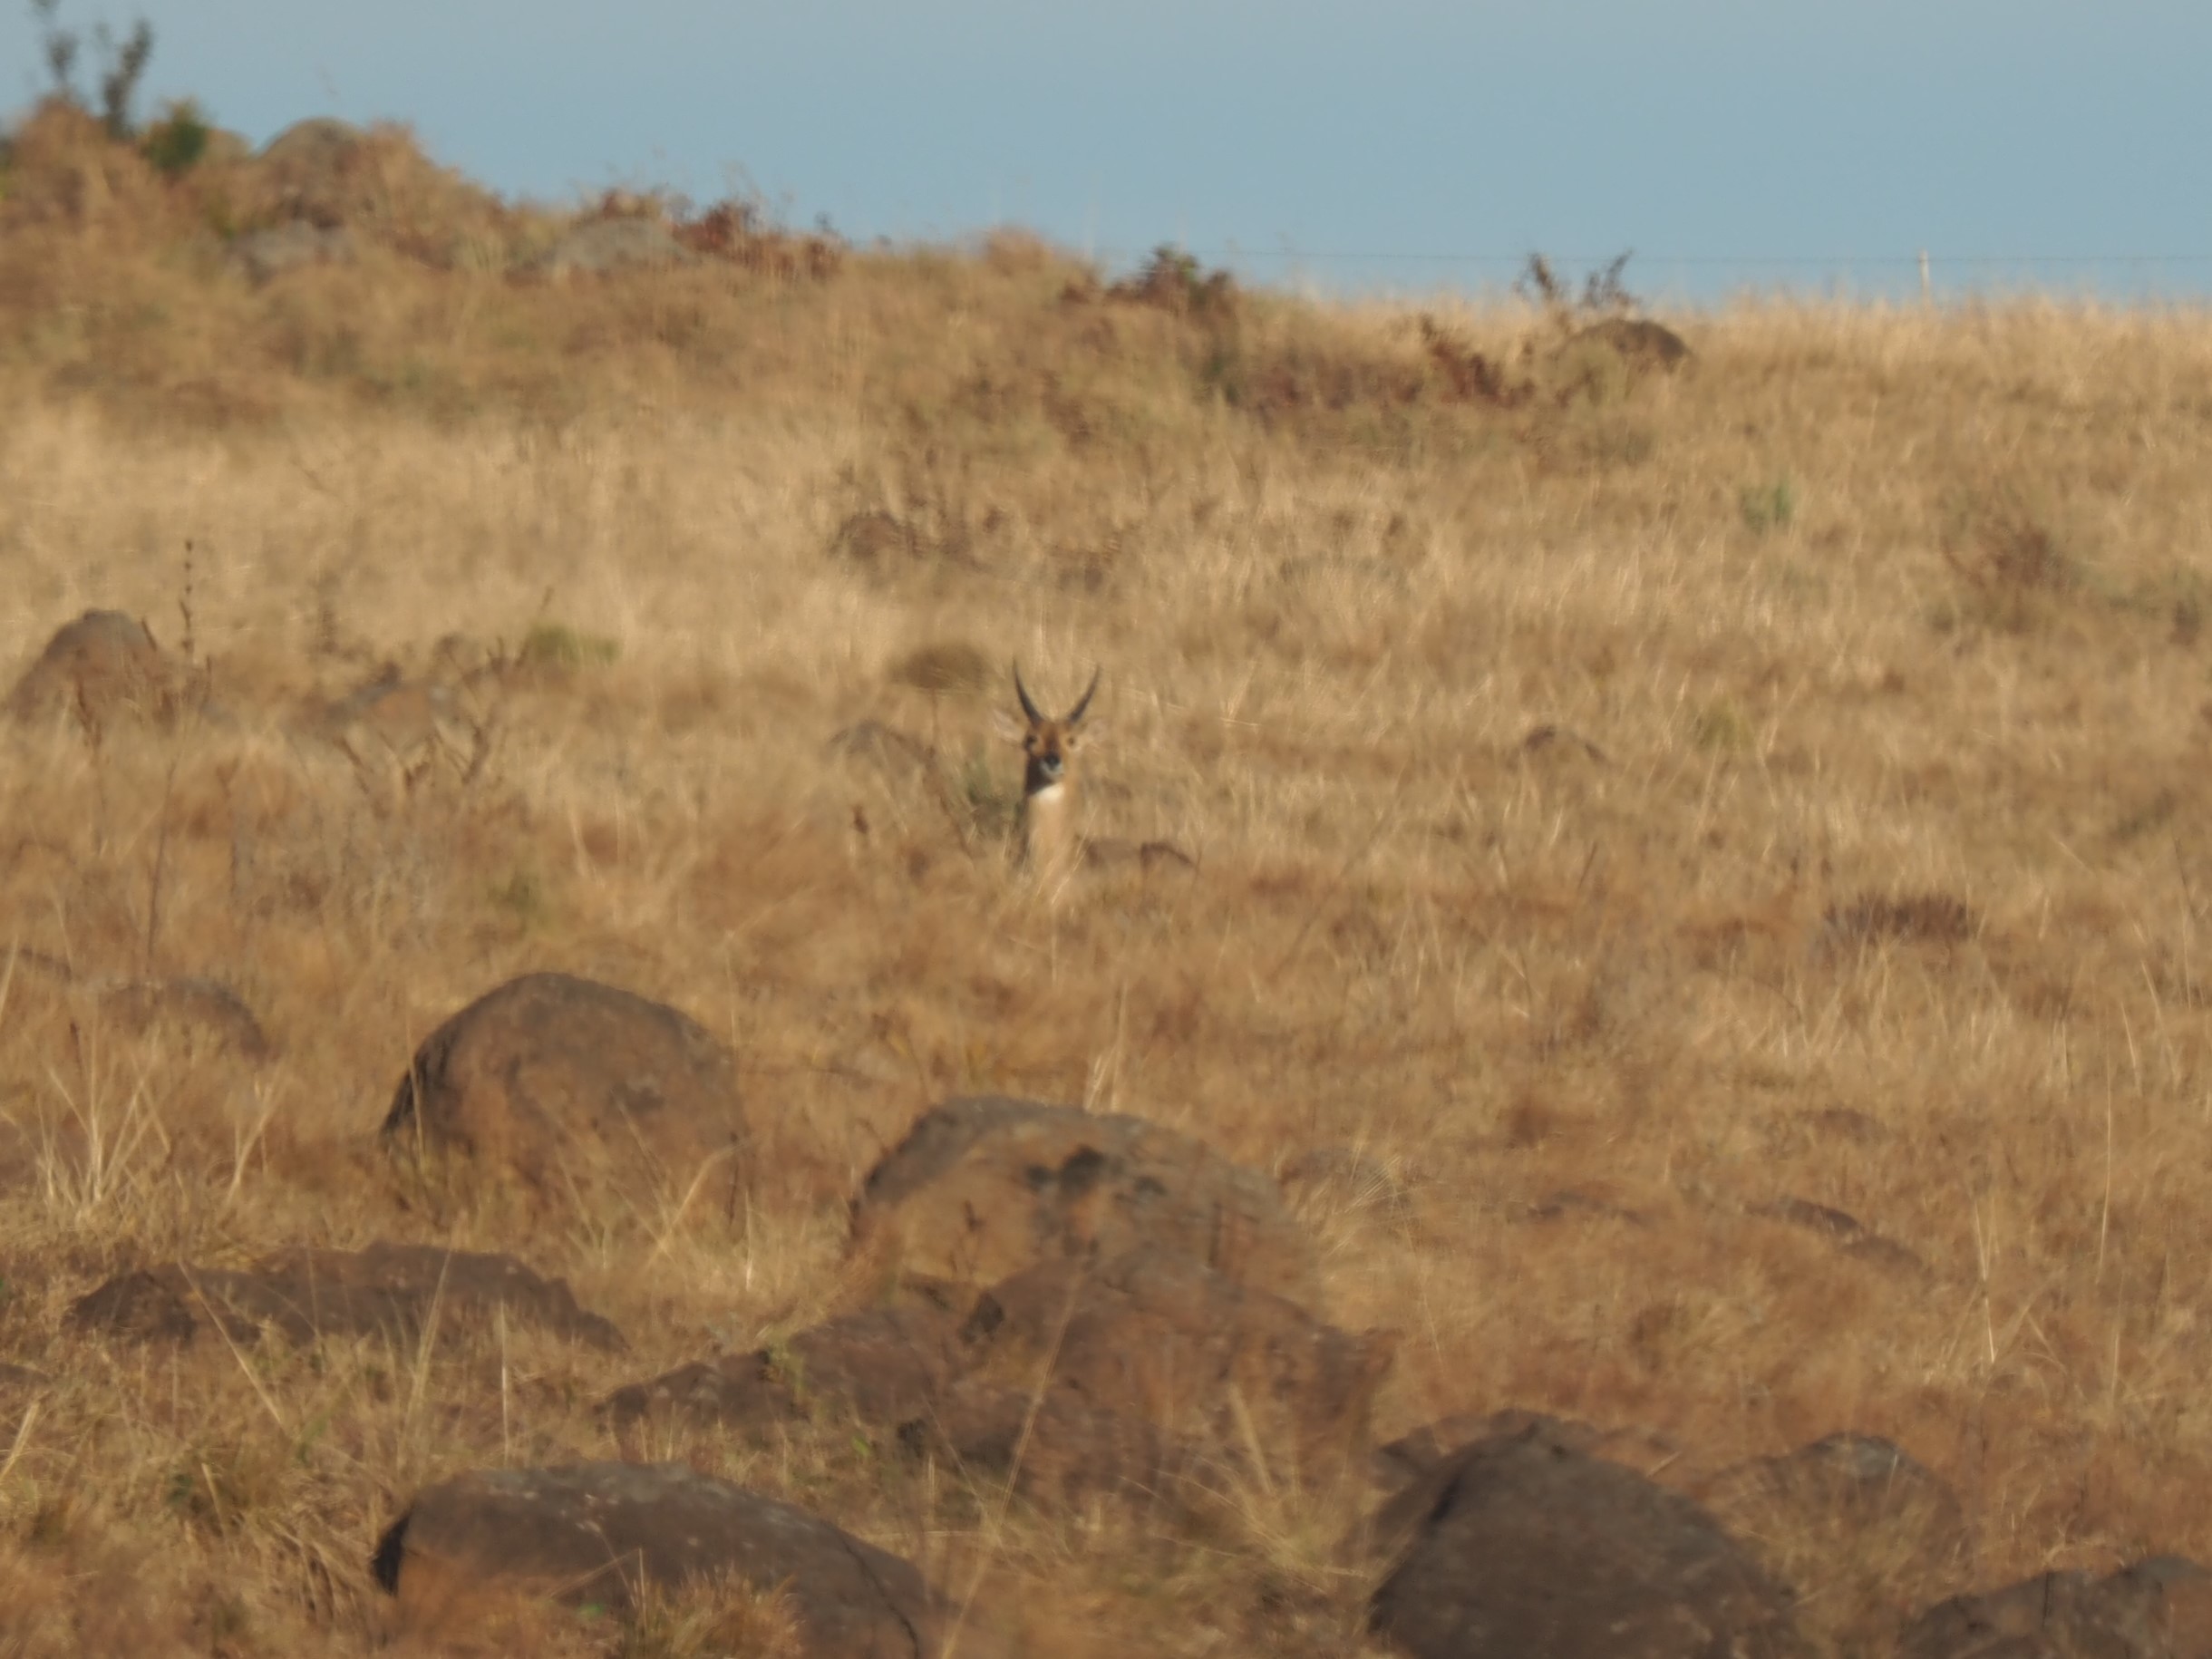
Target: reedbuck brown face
{"type": "Point", "coordinates": [1050, 843]}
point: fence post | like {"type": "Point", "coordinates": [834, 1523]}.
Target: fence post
{"type": "Point", "coordinates": [1928, 289]}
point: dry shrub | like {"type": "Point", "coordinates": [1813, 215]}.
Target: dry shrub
{"type": "Point", "coordinates": [736, 230]}
{"type": "Point", "coordinates": [1175, 282]}
{"type": "Point", "coordinates": [65, 167]}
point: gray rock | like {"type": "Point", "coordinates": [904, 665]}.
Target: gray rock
{"type": "Point", "coordinates": [266, 254]}
{"type": "Point", "coordinates": [603, 244]}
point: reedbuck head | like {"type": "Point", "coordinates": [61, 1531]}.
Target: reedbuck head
{"type": "Point", "coordinates": [1050, 843]}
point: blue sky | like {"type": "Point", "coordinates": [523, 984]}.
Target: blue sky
{"type": "Point", "coordinates": [1397, 144]}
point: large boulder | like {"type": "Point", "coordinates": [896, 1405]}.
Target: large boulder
{"type": "Point", "coordinates": [602, 1533]}
{"type": "Point", "coordinates": [2156, 1609]}
{"type": "Point", "coordinates": [1157, 1335]}
{"type": "Point", "coordinates": [1518, 1545]}
{"type": "Point", "coordinates": [1056, 1450]}
{"type": "Point", "coordinates": [885, 1366]}
{"type": "Point", "coordinates": [903, 1374]}
{"type": "Point", "coordinates": [1136, 1378]}
{"type": "Point", "coordinates": [984, 1186]}
{"type": "Point", "coordinates": [1415, 1453]}
{"type": "Point", "coordinates": [103, 668]}
{"type": "Point", "coordinates": [388, 1289]}
{"type": "Point", "coordinates": [572, 1087]}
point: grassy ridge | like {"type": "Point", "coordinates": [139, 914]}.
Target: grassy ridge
{"type": "Point", "coordinates": [1864, 862]}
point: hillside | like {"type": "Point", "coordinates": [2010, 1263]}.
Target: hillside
{"type": "Point", "coordinates": [1698, 870]}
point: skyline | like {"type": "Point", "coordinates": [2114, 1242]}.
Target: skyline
{"type": "Point", "coordinates": [1728, 147]}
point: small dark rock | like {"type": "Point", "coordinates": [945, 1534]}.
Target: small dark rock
{"type": "Point", "coordinates": [885, 1365]}
{"type": "Point", "coordinates": [1518, 1545]}
{"type": "Point", "coordinates": [101, 668]}
{"type": "Point", "coordinates": [204, 1003]}
{"type": "Point", "coordinates": [2156, 1609]}
{"type": "Point", "coordinates": [603, 1532]}
{"type": "Point", "coordinates": [388, 1288]}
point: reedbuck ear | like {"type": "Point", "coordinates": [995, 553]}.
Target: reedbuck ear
{"type": "Point", "coordinates": [1007, 726]}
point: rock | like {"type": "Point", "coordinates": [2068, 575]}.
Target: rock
{"type": "Point", "coordinates": [600, 1533]}
{"type": "Point", "coordinates": [899, 1371]}
{"type": "Point", "coordinates": [1862, 1531]}
{"type": "Point", "coordinates": [1412, 1456]}
{"type": "Point", "coordinates": [319, 142]}
{"type": "Point", "coordinates": [387, 1289]}
{"type": "Point", "coordinates": [1057, 1452]}
{"type": "Point", "coordinates": [2156, 1609]}
{"type": "Point", "coordinates": [103, 668]}
{"type": "Point", "coordinates": [572, 1085]}
{"type": "Point", "coordinates": [1157, 1336]}
{"type": "Point", "coordinates": [1638, 342]}
{"type": "Point", "coordinates": [1518, 1545]}
{"type": "Point", "coordinates": [887, 1367]}
{"type": "Point", "coordinates": [875, 538]}
{"type": "Point", "coordinates": [304, 172]}
{"type": "Point", "coordinates": [1551, 740]}
{"type": "Point", "coordinates": [1852, 1236]}
{"type": "Point", "coordinates": [984, 1186]}
{"type": "Point", "coordinates": [265, 254]}
{"type": "Point", "coordinates": [603, 245]}
{"type": "Point", "coordinates": [203, 1004]}
{"type": "Point", "coordinates": [1161, 1373]}
{"type": "Point", "coordinates": [1569, 1202]}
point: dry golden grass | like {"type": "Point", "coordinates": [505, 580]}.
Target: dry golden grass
{"type": "Point", "coordinates": [1865, 866]}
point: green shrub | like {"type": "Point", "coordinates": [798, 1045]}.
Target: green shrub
{"type": "Point", "coordinates": [175, 143]}
{"type": "Point", "coordinates": [1769, 507]}
{"type": "Point", "coordinates": [555, 644]}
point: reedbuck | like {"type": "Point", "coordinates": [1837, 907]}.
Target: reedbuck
{"type": "Point", "coordinates": [1051, 846]}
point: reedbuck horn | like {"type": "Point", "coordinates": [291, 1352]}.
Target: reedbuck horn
{"type": "Point", "coordinates": [1029, 705]}
{"type": "Point", "coordinates": [1075, 714]}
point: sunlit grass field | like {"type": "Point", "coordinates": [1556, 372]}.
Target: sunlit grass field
{"type": "Point", "coordinates": [1630, 806]}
